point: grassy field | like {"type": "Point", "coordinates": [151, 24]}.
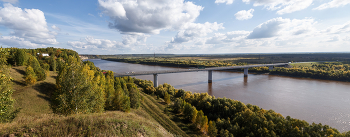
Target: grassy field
{"type": "Point", "coordinates": [37, 119]}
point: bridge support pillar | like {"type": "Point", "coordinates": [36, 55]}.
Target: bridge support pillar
{"type": "Point", "coordinates": [245, 72]}
{"type": "Point", "coordinates": [155, 80]}
{"type": "Point", "coordinates": [270, 68]}
{"type": "Point", "coordinates": [210, 76]}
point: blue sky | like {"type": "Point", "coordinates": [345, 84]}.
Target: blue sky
{"type": "Point", "coordinates": [177, 26]}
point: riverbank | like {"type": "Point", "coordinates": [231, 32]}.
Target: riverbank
{"type": "Point", "coordinates": [231, 116]}
{"type": "Point", "coordinates": [337, 71]}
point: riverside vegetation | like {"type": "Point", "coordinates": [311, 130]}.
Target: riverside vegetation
{"type": "Point", "coordinates": [59, 95]}
{"type": "Point", "coordinates": [319, 70]}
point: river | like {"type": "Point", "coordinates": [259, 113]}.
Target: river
{"type": "Point", "coordinates": [319, 101]}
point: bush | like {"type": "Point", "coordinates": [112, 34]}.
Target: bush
{"type": "Point", "coordinates": [30, 77]}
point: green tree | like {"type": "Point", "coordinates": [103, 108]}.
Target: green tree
{"type": "Point", "coordinates": [126, 104]}
{"type": "Point", "coordinates": [39, 72]}
{"type": "Point", "coordinates": [167, 98]}
{"type": "Point", "coordinates": [21, 57]}
{"type": "Point", "coordinates": [212, 131]}
{"type": "Point", "coordinates": [110, 91]}
{"type": "Point", "coordinates": [7, 112]}
{"type": "Point", "coordinates": [134, 97]}
{"type": "Point", "coordinates": [52, 63]}
{"type": "Point", "coordinates": [75, 90]}
{"type": "Point", "coordinates": [194, 114]}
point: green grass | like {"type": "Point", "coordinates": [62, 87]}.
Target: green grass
{"type": "Point", "coordinates": [34, 100]}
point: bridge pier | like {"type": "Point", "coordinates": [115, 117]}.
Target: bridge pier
{"type": "Point", "coordinates": [210, 76]}
{"type": "Point", "coordinates": [270, 68]}
{"type": "Point", "coordinates": [245, 72]}
{"type": "Point", "coordinates": [155, 80]}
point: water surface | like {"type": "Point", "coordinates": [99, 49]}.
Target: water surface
{"type": "Point", "coordinates": [319, 101]}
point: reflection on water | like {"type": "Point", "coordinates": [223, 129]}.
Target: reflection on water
{"type": "Point", "coordinates": [245, 81]}
{"type": "Point", "coordinates": [210, 89]}
{"type": "Point", "coordinates": [318, 101]}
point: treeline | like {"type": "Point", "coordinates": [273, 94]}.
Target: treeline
{"type": "Point", "coordinates": [83, 88]}
{"type": "Point", "coordinates": [176, 63]}
{"type": "Point", "coordinates": [329, 70]}
{"type": "Point", "coordinates": [7, 111]}
{"type": "Point", "coordinates": [39, 61]}
{"type": "Point", "coordinates": [228, 117]}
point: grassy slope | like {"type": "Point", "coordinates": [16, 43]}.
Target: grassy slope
{"type": "Point", "coordinates": [36, 117]}
{"type": "Point", "coordinates": [170, 121]}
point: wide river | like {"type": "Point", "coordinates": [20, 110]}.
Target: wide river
{"type": "Point", "coordinates": [319, 101]}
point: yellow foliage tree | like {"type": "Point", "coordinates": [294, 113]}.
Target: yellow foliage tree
{"type": "Point", "coordinates": [30, 77]}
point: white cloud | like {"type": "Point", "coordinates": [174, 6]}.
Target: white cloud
{"type": "Point", "coordinates": [332, 4]}
{"type": "Point", "coordinates": [29, 24]}
{"type": "Point", "coordinates": [224, 1]}
{"type": "Point", "coordinates": [10, 1]}
{"type": "Point", "coordinates": [12, 41]}
{"type": "Point", "coordinates": [333, 39]}
{"type": "Point", "coordinates": [283, 6]}
{"type": "Point", "coordinates": [89, 42]}
{"type": "Point", "coordinates": [195, 30]}
{"type": "Point", "coordinates": [55, 27]}
{"type": "Point", "coordinates": [229, 37]}
{"type": "Point", "coordinates": [105, 44]}
{"type": "Point", "coordinates": [281, 27]}
{"type": "Point", "coordinates": [337, 29]}
{"type": "Point", "coordinates": [244, 14]}
{"type": "Point", "coordinates": [149, 16]}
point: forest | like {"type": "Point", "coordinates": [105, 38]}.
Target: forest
{"type": "Point", "coordinates": [232, 117]}
{"type": "Point", "coordinates": [82, 88]}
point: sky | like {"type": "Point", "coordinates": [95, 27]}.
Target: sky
{"type": "Point", "coordinates": [107, 27]}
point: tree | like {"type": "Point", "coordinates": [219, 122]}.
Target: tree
{"type": "Point", "coordinates": [39, 72]}
{"type": "Point", "coordinates": [110, 91]}
{"type": "Point", "coordinates": [7, 113]}
{"type": "Point", "coordinates": [75, 92]}
{"type": "Point", "coordinates": [167, 98]}
{"type": "Point", "coordinates": [30, 76]}
{"type": "Point", "coordinates": [134, 97]}
{"type": "Point", "coordinates": [126, 104]}
{"type": "Point", "coordinates": [194, 114]}
{"type": "Point", "coordinates": [21, 57]}
{"type": "Point", "coordinates": [212, 131]}
{"type": "Point", "coordinates": [52, 63]}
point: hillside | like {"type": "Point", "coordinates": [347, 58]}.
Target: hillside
{"type": "Point", "coordinates": [37, 118]}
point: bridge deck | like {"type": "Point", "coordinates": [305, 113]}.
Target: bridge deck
{"type": "Point", "coordinates": [193, 70]}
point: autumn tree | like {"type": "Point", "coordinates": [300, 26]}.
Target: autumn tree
{"type": "Point", "coordinates": [110, 91]}
{"type": "Point", "coordinates": [167, 98]}
{"type": "Point", "coordinates": [212, 131]}
{"type": "Point", "coordinates": [7, 112]}
{"type": "Point", "coordinates": [76, 92]}
{"type": "Point", "coordinates": [134, 95]}
{"type": "Point", "coordinates": [39, 72]}
{"type": "Point", "coordinates": [30, 76]}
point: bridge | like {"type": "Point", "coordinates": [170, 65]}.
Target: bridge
{"type": "Point", "coordinates": [210, 71]}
